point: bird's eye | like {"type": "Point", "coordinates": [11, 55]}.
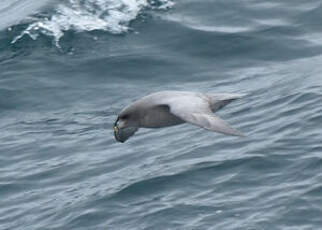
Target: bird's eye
{"type": "Point", "coordinates": [124, 117]}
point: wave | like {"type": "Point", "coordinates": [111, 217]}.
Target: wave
{"type": "Point", "coordinates": [113, 16]}
{"type": "Point", "coordinates": [13, 11]}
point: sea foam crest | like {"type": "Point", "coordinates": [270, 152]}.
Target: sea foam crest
{"type": "Point", "coordinates": [87, 15]}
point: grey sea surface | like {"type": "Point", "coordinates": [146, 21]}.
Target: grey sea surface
{"type": "Point", "coordinates": [67, 68]}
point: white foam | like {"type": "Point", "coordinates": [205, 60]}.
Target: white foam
{"type": "Point", "coordinates": [87, 15]}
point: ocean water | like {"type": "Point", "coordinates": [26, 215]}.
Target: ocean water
{"type": "Point", "coordinates": [68, 67]}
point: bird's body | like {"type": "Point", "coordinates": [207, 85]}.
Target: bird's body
{"type": "Point", "coordinates": [168, 108]}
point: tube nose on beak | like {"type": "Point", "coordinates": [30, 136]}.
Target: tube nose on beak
{"type": "Point", "coordinates": [122, 134]}
{"type": "Point", "coordinates": [117, 131]}
{"type": "Point", "coordinates": [122, 131]}
{"type": "Point", "coordinates": [117, 134]}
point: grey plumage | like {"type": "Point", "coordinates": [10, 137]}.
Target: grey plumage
{"type": "Point", "coordinates": [168, 108]}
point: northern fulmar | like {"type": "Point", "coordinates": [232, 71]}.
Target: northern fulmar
{"type": "Point", "coordinates": [168, 108]}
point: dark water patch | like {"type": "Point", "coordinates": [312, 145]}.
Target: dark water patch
{"type": "Point", "coordinates": [310, 18]}
{"type": "Point", "coordinates": [176, 215]}
{"type": "Point", "coordinates": [315, 192]}
{"type": "Point", "coordinates": [253, 46]}
{"type": "Point", "coordinates": [165, 184]}
{"type": "Point", "coordinates": [86, 219]}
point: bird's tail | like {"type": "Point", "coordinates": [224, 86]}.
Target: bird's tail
{"type": "Point", "coordinates": [219, 100]}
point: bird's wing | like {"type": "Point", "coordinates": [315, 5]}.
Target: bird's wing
{"type": "Point", "coordinates": [196, 110]}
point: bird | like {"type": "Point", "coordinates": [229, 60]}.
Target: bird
{"type": "Point", "coordinates": [169, 108]}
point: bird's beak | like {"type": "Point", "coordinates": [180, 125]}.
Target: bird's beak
{"type": "Point", "coordinates": [117, 134]}
{"type": "Point", "coordinates": [116, 131]}
{"type": "Point", "coordinates": [124, 133]}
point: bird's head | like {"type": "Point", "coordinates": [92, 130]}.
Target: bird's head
{"type": "Point", "coordinates": [125, 126]}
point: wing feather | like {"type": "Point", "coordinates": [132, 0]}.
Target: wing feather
{"type": "Point", "coordinates": [211, 122]}
{"type": "Point", "coordinates": [197, 111]}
